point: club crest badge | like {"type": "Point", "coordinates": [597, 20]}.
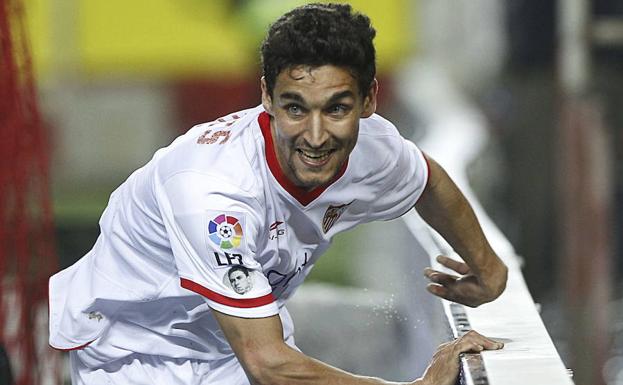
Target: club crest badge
{"type": "Point", "coordinates": [332, 214]}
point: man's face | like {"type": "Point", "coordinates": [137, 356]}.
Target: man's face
{"type": "Point", "coordinates": [240, 282]}
{"type": "Point", "coordinates": [315, 121]}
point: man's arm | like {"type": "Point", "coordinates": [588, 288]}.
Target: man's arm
{"type": "Point", "coordinates": [267, 359]}
{"type": "Point", "coordinates": [483, 278]}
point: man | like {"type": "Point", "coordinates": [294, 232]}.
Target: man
{"type": "Point", "coordinates": [240, 279]}
{"type": "Point", "coordinates": [266, 189]}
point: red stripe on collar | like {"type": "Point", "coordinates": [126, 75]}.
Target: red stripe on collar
{"type": "Point", "coordinates": [303, 196]}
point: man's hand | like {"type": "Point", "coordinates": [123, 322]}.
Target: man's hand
{"type": "Point", "coordinates": [444, 369]}
{"type": "Point", "coordinates": [445, 209]}
{"type": "Point", "coordinates": [466, 288]}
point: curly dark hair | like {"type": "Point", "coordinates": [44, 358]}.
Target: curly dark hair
{"type": "Point", "coordinates": [320, 34]}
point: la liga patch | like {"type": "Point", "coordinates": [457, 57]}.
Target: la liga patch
{"type": "Point", "coordinates": [225, 230]}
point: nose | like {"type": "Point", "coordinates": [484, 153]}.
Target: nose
{"type": "Point", "coordinates": [317, 134]}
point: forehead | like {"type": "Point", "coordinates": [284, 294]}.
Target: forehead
{"type": "Point", "coordinates": [311, 83]}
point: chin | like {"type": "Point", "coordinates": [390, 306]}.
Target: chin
{"type": "Point", "coordinates": [311, 182]}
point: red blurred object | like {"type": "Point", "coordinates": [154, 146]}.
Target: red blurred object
{"type": "Point", "coordinates": [27, 250]}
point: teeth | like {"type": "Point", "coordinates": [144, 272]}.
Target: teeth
{"type": "Point", "coordinates": [315, 156]}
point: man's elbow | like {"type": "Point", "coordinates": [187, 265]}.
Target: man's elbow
{"type": "Point", "coordinates": [267, 366]}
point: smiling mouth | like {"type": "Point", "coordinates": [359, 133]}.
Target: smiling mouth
{"type": "Point", "coordinates": [315, 158]}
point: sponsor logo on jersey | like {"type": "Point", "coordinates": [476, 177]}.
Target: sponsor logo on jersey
{"type": "Point", "coordinates": [280, 281]}
{"type": "Point", "coordinates": [225, 231]}
{"type": "Point", "coordinates": [227, 259]}
{"type": "Point", "coordinates": [332, 214]}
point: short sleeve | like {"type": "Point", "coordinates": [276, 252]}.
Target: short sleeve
{"type": "Point", "coordinates": [213, 227]}
{"type": "Point", "coordinates": [404, 184]}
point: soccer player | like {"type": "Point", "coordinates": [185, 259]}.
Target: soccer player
{"type": "Point", "coordinates": [265, 189]}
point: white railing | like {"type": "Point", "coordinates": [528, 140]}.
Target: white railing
{"type": "Point", "coordinates": [455, 134]}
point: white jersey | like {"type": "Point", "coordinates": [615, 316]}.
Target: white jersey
{"type": "Point", "coordinates": [212, 222]}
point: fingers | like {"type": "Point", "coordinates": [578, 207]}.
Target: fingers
{"type": "Point", "coordinates": [441, 284]}
{"type": "Point", "coordinates": [439, 291]}
{"type": "Point", "coordinates": [466, 289]}
{"type": "Point", "coordinates": [459, 267]}
{"type": "Point", "coordinates": [444, 278]}
{"type": "Point", "coordinates": [439, 277]}
{"type": "Point", "coordinates": [472, 341]}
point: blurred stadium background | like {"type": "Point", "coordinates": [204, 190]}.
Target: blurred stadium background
{"type": "Point", "coordinates": [116, 80]}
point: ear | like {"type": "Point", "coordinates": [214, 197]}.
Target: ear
{"type": "Point", "coordinates": [369, 102]}
{"type": "Point", "coordinates": [267, 101]}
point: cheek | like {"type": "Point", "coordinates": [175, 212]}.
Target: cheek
{"type": "Point", "coordinates": [287, 138]}
{"type": "Point", "coordinates": [348, 133]}
{"type": "Point", "coordinates": [285, 129]}
{"type": "Point", "coordinates": [284, 144]}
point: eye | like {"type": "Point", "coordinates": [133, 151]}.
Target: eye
{"type": "Point", "coordinates": [338, 109]}
{"type": "Point", "coordinates": [294, 109]}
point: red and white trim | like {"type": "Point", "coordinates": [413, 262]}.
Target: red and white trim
{"type": "Point", "coordinates": [244, 303]}
{"type": "Point", "coordinates": [70, 349]}
{"type": "Point", "coordinates": [53, 342]}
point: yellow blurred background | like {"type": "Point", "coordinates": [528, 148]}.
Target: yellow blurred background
{"type": "Point", "coordinates": [183, 38]}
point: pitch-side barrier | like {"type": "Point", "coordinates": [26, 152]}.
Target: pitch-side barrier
{"type": "Point", "coordinates": [455, 134]}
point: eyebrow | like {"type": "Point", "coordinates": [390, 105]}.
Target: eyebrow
{"type": "Point", "coordinates": [293, 96]}
{"type": "Point", "coordinates": [340, 95]}
{"type": "Point", "coordinates": [298, 98]}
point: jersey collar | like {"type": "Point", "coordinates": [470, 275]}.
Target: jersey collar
{"type": "Point", "coordinates": [303, 196]}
